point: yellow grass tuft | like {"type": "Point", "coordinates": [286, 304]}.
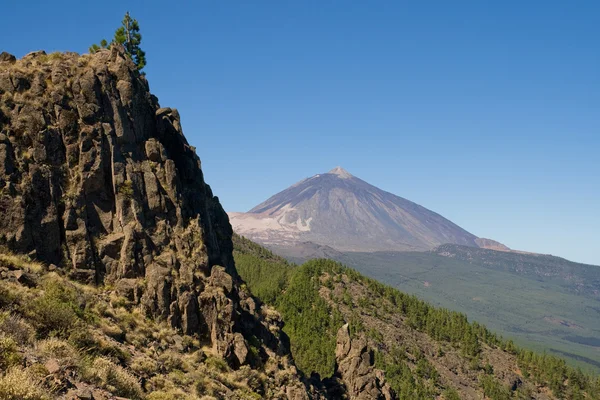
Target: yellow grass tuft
{"type": "Point", "coordinates": [20, 384]}
{"type": "Point", "coordinates": [20, 262]}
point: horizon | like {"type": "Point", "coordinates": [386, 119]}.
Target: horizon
{"type": "Point", "coordinates": [484, 114]}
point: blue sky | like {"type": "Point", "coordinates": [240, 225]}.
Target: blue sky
{"type": "Point", "coordinates": [485, 112]}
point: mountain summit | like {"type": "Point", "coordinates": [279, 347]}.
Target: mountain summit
{"type": "Point", "coordinates": [341, 173]}
{"type": "Point", "coordinates": [339, 210]}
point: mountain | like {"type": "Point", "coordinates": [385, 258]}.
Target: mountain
{"type": "Point", "coordinates": [339, 322]}
{"type": "Point", "coordinates": [343, 212]}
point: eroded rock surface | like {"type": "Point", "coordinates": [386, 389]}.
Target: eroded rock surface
{"type": "Point", "coordinates": [355, 368]}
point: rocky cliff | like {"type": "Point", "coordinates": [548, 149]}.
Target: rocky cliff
{"type": "Point", "coordinates": [98, 181]}
{"type": "Point", "coordinates": [116, 268]}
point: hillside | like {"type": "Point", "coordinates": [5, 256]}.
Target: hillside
{"type": "Point", "coordinates": [424, 352]}
{"type": "Point", "coordinates": [63, 339]}
{"type": "Point", "coordinates": [341, 211]}
{"type": "Point", "coordinates": [543, 302]}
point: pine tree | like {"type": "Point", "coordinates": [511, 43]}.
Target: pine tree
{"type": "Point", "coordinates": [129, 36]}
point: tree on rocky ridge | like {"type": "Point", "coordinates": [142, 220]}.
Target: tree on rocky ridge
{"type": "Point", "coordinates": [129, 36]}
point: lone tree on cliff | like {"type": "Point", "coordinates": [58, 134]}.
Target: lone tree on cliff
{"type": "Point", "coordinates": [130, 37]}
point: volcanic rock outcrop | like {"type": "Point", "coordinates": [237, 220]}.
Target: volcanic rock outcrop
{"type": "Point", "coordinates": [355, 367]}
{"type": "Point", "coordinates": [99, 180]}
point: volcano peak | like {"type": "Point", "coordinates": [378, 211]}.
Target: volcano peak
{"type": "Point", "coordinates": [341, 173]}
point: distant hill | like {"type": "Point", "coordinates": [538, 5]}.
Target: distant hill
{"type": "Point", "coordinates": [341, 211]}
{"type": "Point", "coordinates": [575, 277]}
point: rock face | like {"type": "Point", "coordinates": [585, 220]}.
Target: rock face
{"type": "Point", "coordinates": [356, 369]}
{"type": "Point", "coordinates": [98, 179]}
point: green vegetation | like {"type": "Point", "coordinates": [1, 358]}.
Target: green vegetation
{"type": "Point", "coordinates": [311, 322]}
{"type": "Point", "coordinates": [408, 384]}
{"type": "Point", "coordinates": [305, 314]}
{"type": "Point", "coordinates": [494, 389]}
{"type": "Point", "coordinates": [526, 297]}
{"type": "Point", "coordinates": [262, 270]}
{"type": "Point", "coordinates": [294, 291]}
{"type": "Point", "coordinates": [130, 37]}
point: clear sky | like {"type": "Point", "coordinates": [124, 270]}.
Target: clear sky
{"type": "Point", "coordinates": [485, 112]}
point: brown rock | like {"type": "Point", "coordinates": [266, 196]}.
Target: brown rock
{"type": "Point", "coordinates": [24, 278]}
{"type": "Point", "coordinates": [6, 57]}
{"type": "Point", "coordinates": [52, 366]}
{"type": "Point", "coordinates": [221, 279]}
{"type": "Point", "coordinates": [34, 54]}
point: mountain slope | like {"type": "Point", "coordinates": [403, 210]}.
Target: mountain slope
{"type": "Point", "coordinates": [541, 301]}
{"type": "Point", "coordinates": [339, 210]}
{"type": "Point", "coordinates": [424, 352]}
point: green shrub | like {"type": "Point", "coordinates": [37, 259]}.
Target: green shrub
{"type": "Point", "coordinates": [144, 366]}
{"type": "Point", "coordinates": [57, 310]}
{"type": "Point", "coordinates": [126, 189]}
{"type": "Point", "coordinates": [87, 342]}
{"type": "Point", "coordinates": [9, 353]}
{"type": "Point", "coordinates": [171, 360]}
{"type": "Point", "coordinates": [493, 389]}
{"type": "Point", "coordinates": [7, 298]}
{"type": "Point", "coordinates": [216, 363]}
{"type": "Point", "coordinates": [451, 394]}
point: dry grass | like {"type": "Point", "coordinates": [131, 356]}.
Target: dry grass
{"type": "Point", "coordinates": [9, 353]}
{"type": "Point", "coordinates": [20, 262]}
{"type": "Point", "coordinates": [61, 350]}
{"type": "Point", "coordinates": [20, 384]}
{"type": "Point", "coordinates": [17, 328]}
{"type": "Point", "coordinates": [115, 378]}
